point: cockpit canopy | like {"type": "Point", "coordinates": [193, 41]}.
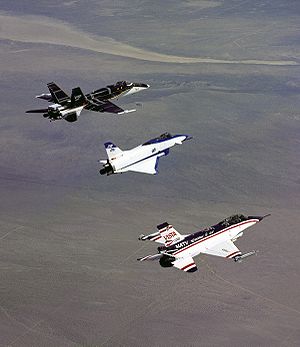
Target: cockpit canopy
{"type": "Point", "coordinates": [237, 218]}
{"type": "Point", "coordinates": [122, 85]}
{"type": "Point", "coordinates": [160, 138]}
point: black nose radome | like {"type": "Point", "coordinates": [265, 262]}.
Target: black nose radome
{"type": "Point", "coordinates": [141, 85]}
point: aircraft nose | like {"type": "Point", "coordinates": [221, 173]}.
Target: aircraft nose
{"type": "Point", "coordinates": [142, 85]}
{"type": "Point", "coordinates": [188, 137]}
{"type": "Point", "coordinates": [260, 218]}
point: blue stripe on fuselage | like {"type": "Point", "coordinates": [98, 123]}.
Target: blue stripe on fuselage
{"type": "Point", "coordinates": [154, 141]}
{"type": "Point", "coordinates": [150, 156]}
{"type": "Point", "coordinates": [202, 235]}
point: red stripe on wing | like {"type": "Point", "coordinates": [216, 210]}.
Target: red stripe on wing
{"type": "Point", "coordinates": [186, 266]}
{"type": "Point", "coordinates": [234, 253]}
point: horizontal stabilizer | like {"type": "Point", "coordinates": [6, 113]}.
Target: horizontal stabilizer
{"type": "Point", "coordinates": [152, 237]}
{"type": "Point", "coordinates": [43, 110]}
{"type": "Point", "coordinates": [150, 257]}
{"type": "Point", "coordinates": [43, 96]}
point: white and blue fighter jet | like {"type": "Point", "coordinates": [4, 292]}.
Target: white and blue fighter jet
{"type": "Point", "coordinates": [143, 158]}
{"type": "Point", "coordinates": [218, 240]}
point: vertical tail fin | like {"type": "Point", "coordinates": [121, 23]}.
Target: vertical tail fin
{"type": "Point", "coordinates": [112, 150]}
{"type": "Point", "coordinates": [77, 97]}
{"type": "Point", "coordinates": [168, 233]}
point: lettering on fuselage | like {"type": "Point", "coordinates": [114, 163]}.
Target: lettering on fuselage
{"type": "Point", "coordinates": [182, 244]}
{"type": "Point", "coordinates": [197, 237]}
{"type": "Point", "coordinates": [194, 238]}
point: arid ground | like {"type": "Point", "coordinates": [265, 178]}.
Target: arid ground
{"type": "Point", "coordinates": [226, 72]}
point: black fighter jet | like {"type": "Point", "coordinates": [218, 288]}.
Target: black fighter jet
{"type": "Point", "coordinates": [69, 108]}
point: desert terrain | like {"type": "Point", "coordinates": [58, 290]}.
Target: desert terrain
{"type": "Point", "coordinates": [227, 73]}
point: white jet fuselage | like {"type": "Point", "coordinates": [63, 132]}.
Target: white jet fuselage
{"type": "Point", "coordinates": [137, 155]}
{"type": "Point", "coordinates": [210, 241]}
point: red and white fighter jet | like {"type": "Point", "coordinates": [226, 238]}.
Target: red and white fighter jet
{"type": "Point", "coordinates": [178, 250]}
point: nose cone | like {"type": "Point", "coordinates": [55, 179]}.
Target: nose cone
{"type": "Point", "coordinates": [187, 137]}
{"type": "Point", "coordinates": [135, 88]}
{"type": "Point", "coordinates": [141, 85]}
{"type": "Point", "coordinates": [260, 218]}
{"type": "Point", "coordinates": [179, 139]}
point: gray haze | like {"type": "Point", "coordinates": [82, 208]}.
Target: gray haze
{"type": "Point", "coordinates": [226, 72]}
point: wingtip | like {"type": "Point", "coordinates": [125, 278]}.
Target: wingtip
{"type": "Point", "coordinates": [193, 269]}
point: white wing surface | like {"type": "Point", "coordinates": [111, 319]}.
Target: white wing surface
{"type": "Point", "coordinates": [146, 166]}
{"type": "Point", "coordinates": [225, 249]}
{"type": "Point", "coordinates": [186, 264]}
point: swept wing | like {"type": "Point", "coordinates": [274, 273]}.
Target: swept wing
{"type": "Point", "coordinates": [148, 166]}
{"type": "Point", "coordinates": [103, 106]}
{"type": "Point", "coordinates": [225, 249]}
